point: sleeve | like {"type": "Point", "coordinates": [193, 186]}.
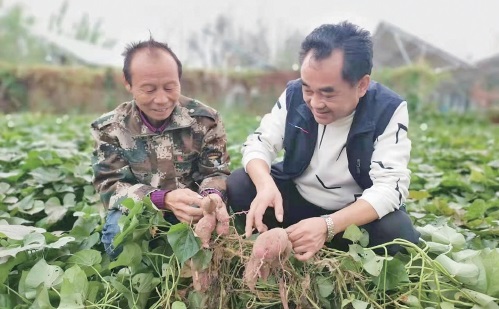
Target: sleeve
{"type": "Point", "coordinates": [214, 161]}
{"type": "Point", "coordinates": [113, 178]}
{"type": "Point", "coordinates": [266, 142]}
{"type": "Point", "coordinates": [389, 171]}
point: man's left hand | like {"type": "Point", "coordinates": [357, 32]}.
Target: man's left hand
{"type": "Point", "coordinates": [307, 237]}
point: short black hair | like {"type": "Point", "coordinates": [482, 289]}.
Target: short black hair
{"type": "Point", "coordinates": [355, 42]}
{"type": "Point", "coordinates": [150, 44]}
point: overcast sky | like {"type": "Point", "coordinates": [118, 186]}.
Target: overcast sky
{"type": "Point", "coordinates": [469, 29]}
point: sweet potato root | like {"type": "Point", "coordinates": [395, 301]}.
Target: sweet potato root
{"type": "Point", "coordinates": [223, 219]}
{"type": "Point", "coordinates": [205, 227]}
{"type": "Point", "coordinates": [209, 205]}
{"type": "Point", "coordinates": [201, 279]}
{"type": "Point", "coordinates": [269, 250]}
{"type": "Point", "coordinates": [272, 245]}
{"type": "Point", "coordinates": [215, 216]}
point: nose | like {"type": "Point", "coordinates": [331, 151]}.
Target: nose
{"type": "Point", "coordinates": [161, 97]}
{"type": "Point", "coordinates": [316, 102]}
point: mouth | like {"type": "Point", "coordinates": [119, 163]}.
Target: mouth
{"type": "Point", "coordinates": [160, 110]}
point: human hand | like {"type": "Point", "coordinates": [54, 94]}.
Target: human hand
{"type": "Point", "coordinates": [307, 237]}
{"type": "Point", "coordinates": [185, 205]}
{"type": "Point", "coordinates": [267, 197]}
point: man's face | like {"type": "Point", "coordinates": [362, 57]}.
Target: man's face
{"type": "Point", "coordinates": [326, 93]}
{"type": "Point", "coordinates": [155, 83]}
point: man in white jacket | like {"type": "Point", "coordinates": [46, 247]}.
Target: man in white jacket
{"type": "Point", "coordinates": [346, 151]}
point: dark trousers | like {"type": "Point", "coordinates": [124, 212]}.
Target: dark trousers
{"type": "Point", "coordinates": [241, 192]}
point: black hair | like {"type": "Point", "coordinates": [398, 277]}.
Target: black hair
{"type": "Point", "coordinates": [150, 44]}
{"type": "Point", "coordinates": [355, 42]}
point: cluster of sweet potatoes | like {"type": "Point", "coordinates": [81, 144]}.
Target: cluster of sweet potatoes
{"type": "Point", "coordinates": [215, 217]}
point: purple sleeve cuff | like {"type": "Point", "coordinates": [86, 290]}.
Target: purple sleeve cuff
{"type": "Point", "coordinates": [208, 191]}
{"type": "Point", "coordinates": [158, 198]}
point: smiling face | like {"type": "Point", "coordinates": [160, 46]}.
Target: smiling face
{"type": "Point", "coordinates": [326, 93]}
{"type": "Point", "coordinates": [155, 84]}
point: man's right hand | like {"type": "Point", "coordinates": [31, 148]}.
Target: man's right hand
{"type": "Point", "coordinates": [185, 205]}
{"type": "Point", "coordinates": [266, 197]}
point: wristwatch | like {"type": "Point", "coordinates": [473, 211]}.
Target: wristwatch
{"type": "Point", "coordinates": [330, 227]}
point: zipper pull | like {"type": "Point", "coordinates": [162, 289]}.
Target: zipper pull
{"type": "Point", "coordinates": [358, 166]}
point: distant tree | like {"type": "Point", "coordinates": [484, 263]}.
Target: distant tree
{"type": "Point", "coordinates": [221, 44]}
{"type": "Point", "coordinates": [83, 30]}
{"type": "Point", "coordinates": [287, 52]}
{"type": "Point", "coordinates": [16, 41]}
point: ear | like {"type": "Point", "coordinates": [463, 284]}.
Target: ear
{"type": "Point", "coordinates": [363, 85]}
{"type": "Point", "coordinates": [127, 85]}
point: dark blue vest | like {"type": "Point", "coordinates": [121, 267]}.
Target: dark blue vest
{"type": "Point", "coordinates": [372, 114]}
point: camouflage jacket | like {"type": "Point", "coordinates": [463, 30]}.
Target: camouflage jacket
{"type": "Point", "coordinates": [131, 161]}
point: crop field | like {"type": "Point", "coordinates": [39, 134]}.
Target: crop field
{"type": "Point", "coordinates": [51, 221]}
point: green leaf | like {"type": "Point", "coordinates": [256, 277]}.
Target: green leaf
{"type": "Point", "coordinates": [123, 290]}
{"type": "Point", "coordinates": [54, 211]}
{"type": "Point", "coordinates": [4, 187]}
{"type": "Point", "coordinates": [326, 286]}
{"type": "Point", "coordinates": [481, 299]}
{"type": "Point", "coordinates": [197, 300]}
{"type": "Point", "coordinates": [444, 235]}
{"type": "Point", "coordinates": [45, 175]}
{"type": "Point", "coordinates": [74, 288]}
{"type": "Point", "coordinates": [446, 305]}
{"type": "Point", "coordinates": [9, 263]}
{"type": "Point", "coordinates": [18, 232]}
{"type": "Point", "coordinates": [61, 242]}
{"type": "Point", "coordinates": [353, 233]}
{"type": "Point", "coordinates": [85, 258]}
{"type": "Point", "coordinates": [358, 304]}
{"type": "Point", "coordinates": [418, 195]}
{"type": "Point", "coordinates": [130, 227]}
{"type": "Point", "coordinates": [392, 274]}
{"type": "Point", "coordinates": [42, 300]}
{"type": "Point", "coordinates": [466, 273]}
{"type": "Point", "coordinates": [202, 259]}
{"type": "Point", "coordinates": [144, 283]}
{"type": "Point", "coordinates": [69, 200]}
{"type": "Point", "coordinates": [489, 260]}
{"type": "Point", "coordinates": [178, 305]}
{"type": "Point", "coordinates": [184, 244]}
{"type": "Point", "coordinates": [131, 256]}
{"type": "Point", "coordinates": [373, 265]}
{"type": "Point", "coordinates": [42, 273]}
{"type": "Point", "coordinates": [6, 253]}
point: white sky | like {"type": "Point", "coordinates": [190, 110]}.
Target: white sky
{"type": "Point", "coordinates": [468, 29]}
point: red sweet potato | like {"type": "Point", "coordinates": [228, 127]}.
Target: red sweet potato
{"type": "Point", "coordinates": [201, 279]}
{"type": "Point", "coordinates": [272, 245]}
{"type": "Point", "coordinates": [270, 249]}
{"type": "Point", "coordinates": [209, 205]}
{"type": "Point", "coordinates": [223, 219]}
{"type": "Point", "coordinates": [205, 227]}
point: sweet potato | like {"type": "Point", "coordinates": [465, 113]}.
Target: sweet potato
{"type": "Point", "coordinates": [269, 250]}
{"type": "Point", "coordinates": [205, 227]}
{"type": "Point", "coordinates": [272, 245]}
{"type": "Point", "coordinates": [209, 205]}
{"type": "Point", "coordinates": [201, 279]}
{"type": "Point", "coordinates": [223, 219]}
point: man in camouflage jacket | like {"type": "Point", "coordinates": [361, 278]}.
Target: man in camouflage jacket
{"type": "Point", "coordinates": [161, 144]}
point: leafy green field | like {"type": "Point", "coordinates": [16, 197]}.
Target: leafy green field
{"type": "Point", "coordinates": [50, 223]}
